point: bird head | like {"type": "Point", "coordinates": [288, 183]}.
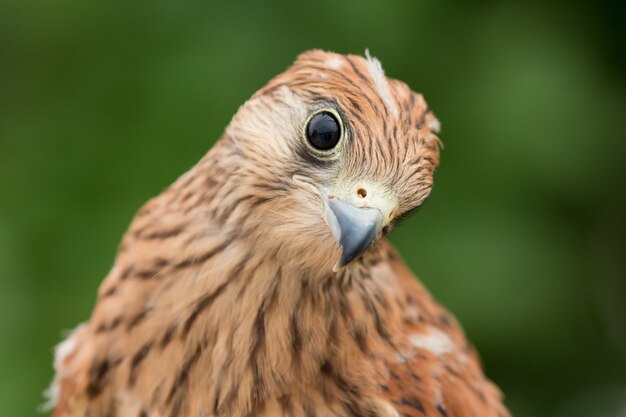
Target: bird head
{"type": "Point", "coordinates": [335, 153]}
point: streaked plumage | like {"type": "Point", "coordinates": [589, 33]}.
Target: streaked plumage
{"type": "Point", "coordinates": [225, 298]}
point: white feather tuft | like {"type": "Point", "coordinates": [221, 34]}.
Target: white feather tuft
{"type": "Point", "coordinates": [378, 75]}
{"type": "Point", "coordinates": [434, 341]}
{"type": "Point", "coordinates": [334, 62]}
{"type": "Point", "coordinates": [62, 351]}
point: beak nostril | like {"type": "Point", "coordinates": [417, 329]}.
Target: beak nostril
{"type": "Point", "coordinates": [361, 192]}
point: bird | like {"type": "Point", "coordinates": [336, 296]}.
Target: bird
{"type": "Point", "coordinates": [262, 281]}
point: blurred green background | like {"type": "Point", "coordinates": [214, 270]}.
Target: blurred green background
{"type": "Point", "coordinates": [103, 104]}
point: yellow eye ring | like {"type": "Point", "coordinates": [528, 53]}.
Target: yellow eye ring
{"type": "Point", "coordinates": [323, 133]}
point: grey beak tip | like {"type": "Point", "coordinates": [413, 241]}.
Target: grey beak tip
{"type": "Point", "coordinates": [355, 243]}
{"type": "Point", "coordinates": [358, 227]}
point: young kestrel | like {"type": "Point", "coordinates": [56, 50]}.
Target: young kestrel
{"type": "Point", "coordinates": [261, 282]}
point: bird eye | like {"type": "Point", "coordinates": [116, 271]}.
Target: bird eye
{"type": "Point", "coordinates": [323, 132]}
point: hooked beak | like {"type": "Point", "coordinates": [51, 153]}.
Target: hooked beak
{"type": "Point", "coordinates": [354, 227]}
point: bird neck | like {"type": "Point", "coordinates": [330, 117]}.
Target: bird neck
{"type": "Point", "coordinates": [241, 309]}
{"type": "Point", "coordinates": [282, 333]}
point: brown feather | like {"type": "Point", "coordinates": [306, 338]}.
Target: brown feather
{"type": "Point", "coordinates": [223, 302]}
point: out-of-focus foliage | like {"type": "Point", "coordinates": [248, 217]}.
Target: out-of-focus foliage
{"type": "Point", "coordinates": [103, 104]}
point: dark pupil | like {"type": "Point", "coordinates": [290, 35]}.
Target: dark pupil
{"type": "Point", "coordinates": [323, 131]}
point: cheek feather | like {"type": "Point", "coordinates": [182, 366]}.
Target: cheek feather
{"type": "Point", "coordinates": [268, 126]}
